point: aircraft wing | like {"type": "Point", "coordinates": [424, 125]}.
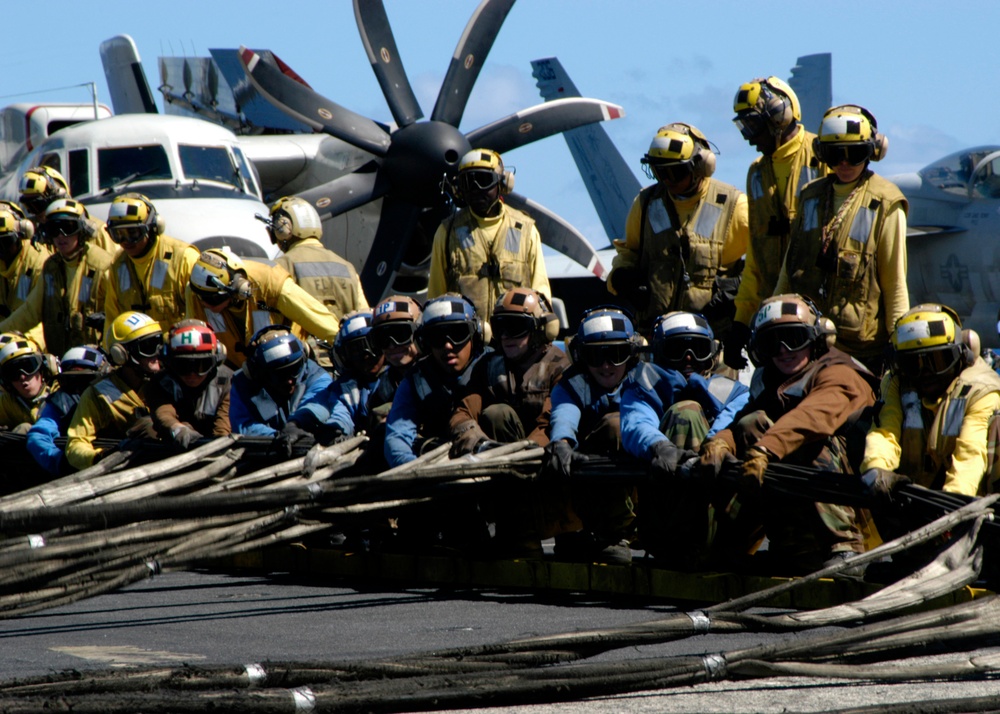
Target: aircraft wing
{"type": "Point", "coordinates": [932, 231]}
{"type": "Point", "coordinates": [611, 184]}
{"type": "Point", "coordinates": [130, 92]}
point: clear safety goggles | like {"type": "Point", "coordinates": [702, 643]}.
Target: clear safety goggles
{"type": "Point", "coordinates": [768, 343]}
{"type": "Point", "coordinates": [128, 235]}
{"type": "Point", "coordinates": [676, 350]}
{"type": "Point", "coordinates": [477, 180]}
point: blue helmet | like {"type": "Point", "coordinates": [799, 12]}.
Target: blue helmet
{"type": "Point", "coordinates": [675, 334]}
{"type": "Point", "coordinates": [353, 343]}
{"type": "Point", "coordinates": [84, 359]}
{"type": "Point", "coordinates": [605, 325]}
{"type": "Point", "coordinates": [450, 315]}
{"type": "Point", "coordinates": [275, 354]}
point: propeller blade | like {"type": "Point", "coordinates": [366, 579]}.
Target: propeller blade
{"type": "Point", "coordinates": [395, 227]}
{"type": "Point", "coordinates": [466, 63]}
{"type": "Point", "coordinates": [347, 192]}
{"type": "Point", "coordinates": [559, 235]}
{"type": "Point", "coordinates": [376, 35]}
{"type": "Point", "coordinates": [542, 120]}
{"type": "Point", "coordinates": [312, 109]}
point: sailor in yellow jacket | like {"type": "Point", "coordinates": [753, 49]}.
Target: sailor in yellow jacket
{"type": "Point", "coordinates": [112, 406]}
{"type": "Point", "coordinates": [68, 303]}
{"type": "Point", "coordinates": [25, 374]}
{"type": "Point", "coordinates": [238, 298]}
{"type": "Point", "coordinates": [938, 399]}
{"type": "Point", "coordinates": [152, 271]}
{"type": "Point", "coordinates": [487, 247]}
{"type": "Point", "coordinates": [21, 262]}
{"type": "Point", "coordinates": [40, 187]}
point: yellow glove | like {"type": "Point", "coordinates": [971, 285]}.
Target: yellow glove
{"type": "Point", "coordinates": [714, 453]}
{"type": "Point", "coordinates": [755, 464]}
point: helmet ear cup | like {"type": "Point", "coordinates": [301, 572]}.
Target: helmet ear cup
{"type": "Point", "coordinates": [220, 353]}
{"type": "Point", "coordinates": [118, 355]}
{"type": "Point", "coordinates": [27, 229]}
{"type": "Point", "coordinates": [827, 333]}
{"type": "Point", "coordinates": [506, 182]}
{"type": "Point", "coordinates": [50, 364]}
{"type": "Point", "coordinates": [551, 321]}
{"type": "Point", "coordinates": [704, 158]}
{"type": "Point", "coordinates": [706, 166]}
{"type": "Point", "coordinates": [241, 286]}
{"type": "Point", "coordinates": [971, 346]}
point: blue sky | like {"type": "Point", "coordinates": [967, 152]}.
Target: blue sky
{"type": "Point", "coordinates": [926, 69]}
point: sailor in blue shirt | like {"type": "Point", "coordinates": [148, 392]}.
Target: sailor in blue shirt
{"type": "Point", "coordinates": [279, 391]}
{"type": "Point", "coordinates": [358, 366]}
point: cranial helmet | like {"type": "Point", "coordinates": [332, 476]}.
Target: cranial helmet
{"type": "Point", "coordinates": [352, 347]}
{"type": "Point", "coordinates": [15, 225]}
{"type": "Point", "coordinates": [394, 322]}
{"type": "Point", "coordinates": [676, 150]}
{"type": "Point", "coordinates": [790, 321]}
{"type": "Point", "coordinates": [451, 315]}
{"type": "Point", "coordinates": [294, 219]}
{"type": "Point", "coordinates": [676, 334]}
{"type": "Point", "coordinates": [928, 341]}
{"type": "Point", "coordinates": [274, 354]}
{"type": "Point", "coordinates": [193, 347]}
{"type": "Point", "coordinates": [19, 356]}
{"type": "Point", "coordinates": [41, 185]}
{"type": "Point", "coordinates": [65, 217]}
{"type": "Point", "coordinates": [849, 132]}
{"type": "Point", "coordinates": [80, 366]}
{"type": "Point", "coordinates": [220, 275]}
{"type": "Point", "coordinates": [606, 333]}
{"type": "Point", "coordinates": [132, 218]}
{"type": "Point", "coordinates": [523, 311]}
{"type": "Point", "coordinates": [134, 335]}
{"type": "Point", "coordinates": [765, 104]}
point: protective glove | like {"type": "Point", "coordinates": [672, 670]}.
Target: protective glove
{"type": "Point", "coordinates": [21, 429]}
{"type": "Point", "coordinates": [94, 321]}
{"type": "Point", "coordinates": [733, 344]}
{"type": "Point", "coordinates": [142, 428]}
{"type": "Point", "coordinates": [558, 460]}
{"type": "Point", "coordinates": [290, 435]}
{"type": "Point", "coordinates": [329, 435]}
{"type": "Point", "coordinates": [880, 483]}
{"type": "Point", "coordinates": [666, 457]}
{"type": "Point", "coordinates": [486, 445]}
{"type": "Point", "coordinates": [465, 439]}
{"type": "Point", "coordinates": [754, 465]}
{"type": "Point", "coordinates": [630, 284]}
{"type": "Point", "coordinates": [715, 453]}
{"type": "Point", "coordinates": [184, 435]}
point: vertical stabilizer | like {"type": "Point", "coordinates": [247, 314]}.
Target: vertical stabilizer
{"type": "Point", "coordinates": [130, 92]}
{"type": "Point", "coordinates": [812, 80]}
{"type": "Point", "coordinates": [611, 184]}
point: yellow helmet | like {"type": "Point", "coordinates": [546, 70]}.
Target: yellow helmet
{"type": "Point", "coordinates": [928, 341]}
{"type": "Point", "coordinates": [134, 334]}
{"type": "Point", "coordinates": [11, 224]}
{"type": "Point", "coordinates": [676, 149]}
{"type": "Point", "coordinates": [218, 275]}
{"type": "Point", "coordinates": [20, 355]}
{"type": "Point", "coordinates": [482, 160]}
{"type": "Point", "coordinates": [481, 170]}
{"type": "Point", "coordinates": [765, 105]}
{"type": "Point", "coordinates": [41, 185]}
{"type": "Point", "coordinates": [65, 216]}
{"type": "Point", "coordinates": [849, 132]}
{"type": "Point", "coordinates": [132, 217]}
{"type": "Point", "coordinates": [292, 219]}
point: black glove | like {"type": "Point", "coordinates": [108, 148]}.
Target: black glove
{"type": "Point", "coordinates": [558, 460]}
{"type": "Point", "coordinates": [290, 435]}
{"type": "Point", "coordinates": [733, 344]}
{"type": "Point", "coordinates": [142, 428]}
{"type": "Point", "coordinates": [630, 284]}
{"type": "Point", "coordinates": [880, 483]}
{"type": "Point", "coordinates": [667, 457]}
{"type": "Point", "coordinates": [94, 321]}
{"type": "Point", "coordinates": [183, 436]}
{"type": "Point", "coordinates": [329, 435]}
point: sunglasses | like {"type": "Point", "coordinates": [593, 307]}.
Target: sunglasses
{"type": "Point", "coordinates": [26, 366]}
{"type": "Point", "coordinates": [192, 365]}
{"type": "Point", "coordinates": [129, 235]}
{"type": "Point", "coordinates": [598, 355]}
{"type": "Point", "coordinates": [512, 326]}
{"type": "Point", "coordinates": [53, 229]}
{"type": "Point", "coordinates": [931, 362]}
{"type": "Point", "coordinates": [456, 335]}
{"type": "Point", "coordinates": [853, 154]}
{"type": "Point", "coordinates": [393, 334]}
{"type": "Point", "coordinates": [793, 338]}
{"type": "Point", "coordinates": [677, 349]}
{"type": "Point", "coordinates": [672, 172]}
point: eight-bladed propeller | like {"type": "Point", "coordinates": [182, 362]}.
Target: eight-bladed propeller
{"type": "Point", "coordinates": [411, 161]}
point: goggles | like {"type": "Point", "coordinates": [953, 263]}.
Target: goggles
{"type": "Point", "coordinates": [56, 227]}
{"type": "Point", "coordinates": [768, 344]}
{"type": "Point", "coordinates": [282, 376]}
{"type": "Point", "coordinates": [26, 366]}
{"type": "Point", "coordinates": [512, 326]}
{"type": "Point", "coordinates": [929, 362]}
{"type": "Point", "coordinates": [457, 334]}
{"type": "Point", "coordinates": [358, 350]}
{"type": "Point", "coordinates": [392, 334]}
{"type": "Point", "coordinates": [200, 365]}
{"type": "Point", "coordinates": [751, 124]}
{"type": "Point", "coordinates": [671, 171]}
{"type": "Point", "coordinates": [477, 180]}
{"type": "Point", "coordinates": [129, 235]}
{"type": "Point", "coordinates": [210, 298]}
{"type": "Point", "coordinates": [677, 349]}
{"type": "Point", "coordinates": [615, 354]}
{"type": "Point", "coordinates": [35, 203]}
{"type": "Point", "coordinates": [853, 154]}
{"type": "Point", "coordinates": [146, 347]}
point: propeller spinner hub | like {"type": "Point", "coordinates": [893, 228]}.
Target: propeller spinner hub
{"type": "Point", "coordinates": [420, 155]}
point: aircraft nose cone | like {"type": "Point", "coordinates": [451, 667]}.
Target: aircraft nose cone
{"type": "Point", "coordinates": [420, 155]}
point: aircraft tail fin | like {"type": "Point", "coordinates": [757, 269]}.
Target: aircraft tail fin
{"type": "Point", "coordinates": [812, 80]}
{"type": "Point", "coordinates": [611, 184]}
{"type": "Point", "coordinates": [130, 92]}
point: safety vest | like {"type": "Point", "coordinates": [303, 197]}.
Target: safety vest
{"type": "Point", "coordinates": [437, 394]}
{"type": "Point", "coordinates": [201, 410]}
{"type": "Point", "coordinates": [17, 278]}
{"type": "Point", "coordinates": [593, 402]}
{"type": "Point", "coordinates": [384, 388]}
{"type": "Point", "coordinates": [682, 261]}
{"type": "Point", "coordinates": [63, 403]}
{"type": "Point", "coordinates": [65, 306]}
{"type": "Point", "coordinates": [15, 410]}
{"type": "Point", "coordinates": [849, 294]}
{"type": "Point", "coordinates": [161, 294]}
{"type": "Point", "coordinates": [324, 275]}
{"type": "Point", "coordinates": [528, 396]}
{"type": "Point", "coordinates": [926, 448]}
{"type": "Point", "coordinates": [483, 271]}
{"type": "Point", "coordinates": [771, 215]}
{"type": "Point", "coordinates": [122, 403]}
{"type": "Point", "coordinates": [793, 391]}
{"type": "Point", "coordinates": [235, 325]}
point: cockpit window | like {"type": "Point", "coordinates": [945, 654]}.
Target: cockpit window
{"type": "Point", "coordinates": [115, 166]}
{"type": "Point", "coordinates": [953, 172]}
{"type": "Point", "coordinates": [211, 163]}
{"type": "Point", "coordinates": [248, 174]}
